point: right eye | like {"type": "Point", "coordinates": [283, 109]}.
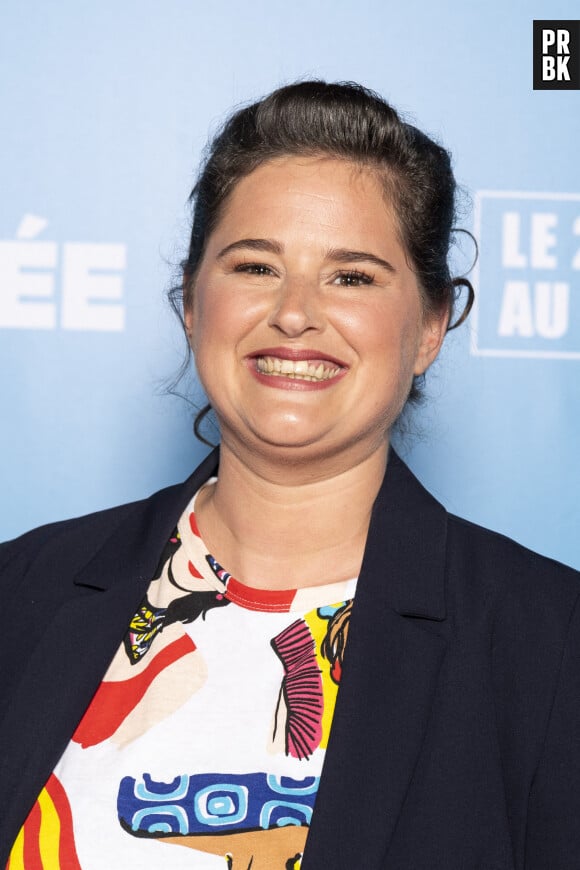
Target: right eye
{"type": "Point", "coordinates": [254, 269]}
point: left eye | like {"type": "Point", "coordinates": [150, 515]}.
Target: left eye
{"type": "Point", "coordinates": [353, 279]}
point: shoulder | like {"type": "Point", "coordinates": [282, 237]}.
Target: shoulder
{"type": "Point", "coordinates": [65, 542]}
{"type": "Point", "coordinates": [505, 569]}
{"type": "Point", "coordinates": [525, 603]}
{"type": "Point", "coordinates": [482, 572]}
{"type": "Point", "coordinates": [139, 519]}
{"type": "Point", "coordinates": [130, 536]}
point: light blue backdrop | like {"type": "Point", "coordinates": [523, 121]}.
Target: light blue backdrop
{"type": "Point", "coordinates": [106, 107]}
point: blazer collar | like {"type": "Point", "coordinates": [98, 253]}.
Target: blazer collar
{"type": "Point", "coordinates": [132, 552]}
{"type": "Point", "coordinates": [408, 532]}
{"type": "Point", "coordinates": [390, 675]}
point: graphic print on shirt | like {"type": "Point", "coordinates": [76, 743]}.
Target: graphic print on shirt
{"type": "Point", "coordinates": [154, 644]}
{"type": "Point", "coordinates": [253, 816]}
{"type": "Point", "coordinates": [46, 839]}
{"type": "Point", "coordinates": [250, 814]}
{"type": "Point", "coordinates": [309, 688]}
{"type": "Point", "coordinates": [142, 726]}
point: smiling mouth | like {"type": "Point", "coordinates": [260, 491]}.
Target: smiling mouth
{"type": "Point", "coordinates": [299, 370]}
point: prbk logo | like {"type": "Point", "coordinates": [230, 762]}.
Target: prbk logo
{"type": "Point", "coordinates": [556, 55]}
{"type": "Point", "coordinates": [528, 275]}
{"type": "Point", "coordinates": [73, 285]}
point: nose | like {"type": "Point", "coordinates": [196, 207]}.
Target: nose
{"type": "Point", "coordinates": [297, 308]}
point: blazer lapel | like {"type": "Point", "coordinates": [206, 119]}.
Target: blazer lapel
{"type": "Point", "coordinates": [80, 638]}
{"type": "Point", "coordinates": [62, 674]}
{"type": "Point", "coordinates": [389, 678]}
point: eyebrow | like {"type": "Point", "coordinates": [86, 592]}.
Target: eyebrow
{"type": "Point", "coordinates": [343, 255]}
{"type": "Point", "coordinates": [268, 245]}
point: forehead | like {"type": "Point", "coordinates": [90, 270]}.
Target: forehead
{"type": "Point", "coordinates": [320, 194]}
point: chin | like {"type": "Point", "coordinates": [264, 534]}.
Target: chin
{"type": "Point", "coordinates": [302, 445]}
{"type": "Point", "coordinates": [281, 439]}
{"type": "Point", "coordinates": [288, 437]}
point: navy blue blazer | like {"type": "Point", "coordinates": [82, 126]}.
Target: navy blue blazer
{"type": "Point", "coordinates": [456, 736]}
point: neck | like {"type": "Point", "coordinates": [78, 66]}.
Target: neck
{"type": "Point", "coordinates": [280, 530]}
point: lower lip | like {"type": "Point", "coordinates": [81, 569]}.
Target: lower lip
{"type": "Point", "coordinates": [279, 382]}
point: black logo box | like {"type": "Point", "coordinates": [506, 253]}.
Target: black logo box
{"type": "Point", "coordinates": [563, 48]}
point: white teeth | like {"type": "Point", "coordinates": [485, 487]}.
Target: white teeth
{"type": "Point", "coordinates": [297, 370]}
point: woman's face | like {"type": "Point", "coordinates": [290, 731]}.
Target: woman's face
{"type": "Point", "coordinates": [306, 319]}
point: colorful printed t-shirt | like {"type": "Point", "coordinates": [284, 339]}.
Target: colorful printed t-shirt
{"type": "Point", "coordinates": [204, 744]}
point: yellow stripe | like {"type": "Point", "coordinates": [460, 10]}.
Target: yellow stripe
{"type": "Point", "coordinates": [49, 836]}
{"type": "Point", "coordinates": [16, 860]}
{"type": "Point", "coordinates": [318, 627]}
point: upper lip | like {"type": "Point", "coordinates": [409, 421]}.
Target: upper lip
{"type": "Point", "coordinates": [296, 354]}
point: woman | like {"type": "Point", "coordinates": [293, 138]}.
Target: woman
{"type": "Point", "coordinates": [172, 666]}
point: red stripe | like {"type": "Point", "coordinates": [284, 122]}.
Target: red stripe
{"type": "Point", "coordinates": [193, 524]}
{"type": "Point", "coordinates": [32, 856]}
{"type": "Point", "coordinates": [278, 600]}
{"type": "Point", "coordinates": [114, 700]}
{"type": "Point", "coordinates": [67, 852]}
{"type": "Point", "coordinates": [336, 671]}
{"type": "Point", "coordinates": [193, 570]}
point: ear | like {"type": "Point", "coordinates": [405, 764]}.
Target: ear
{"type": "Point", "coordinates": [433, 332]}
{"type": "Point", "coordinates": [188, 309]}
{"type": "Point", "coordinates": [188, 319]}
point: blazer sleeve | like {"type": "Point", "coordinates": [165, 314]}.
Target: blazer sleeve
{"type": "Point", "coordinates": [553, 823]}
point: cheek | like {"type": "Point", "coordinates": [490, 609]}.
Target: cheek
{"type": "Point", "coordinates": [224, 321]}
{"type": "Point", "coordinates": [220, 325]}
{"type": "Point", "coordinates": [208, 319]}
{"type": "Point", "coordinates": [388, 333]}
